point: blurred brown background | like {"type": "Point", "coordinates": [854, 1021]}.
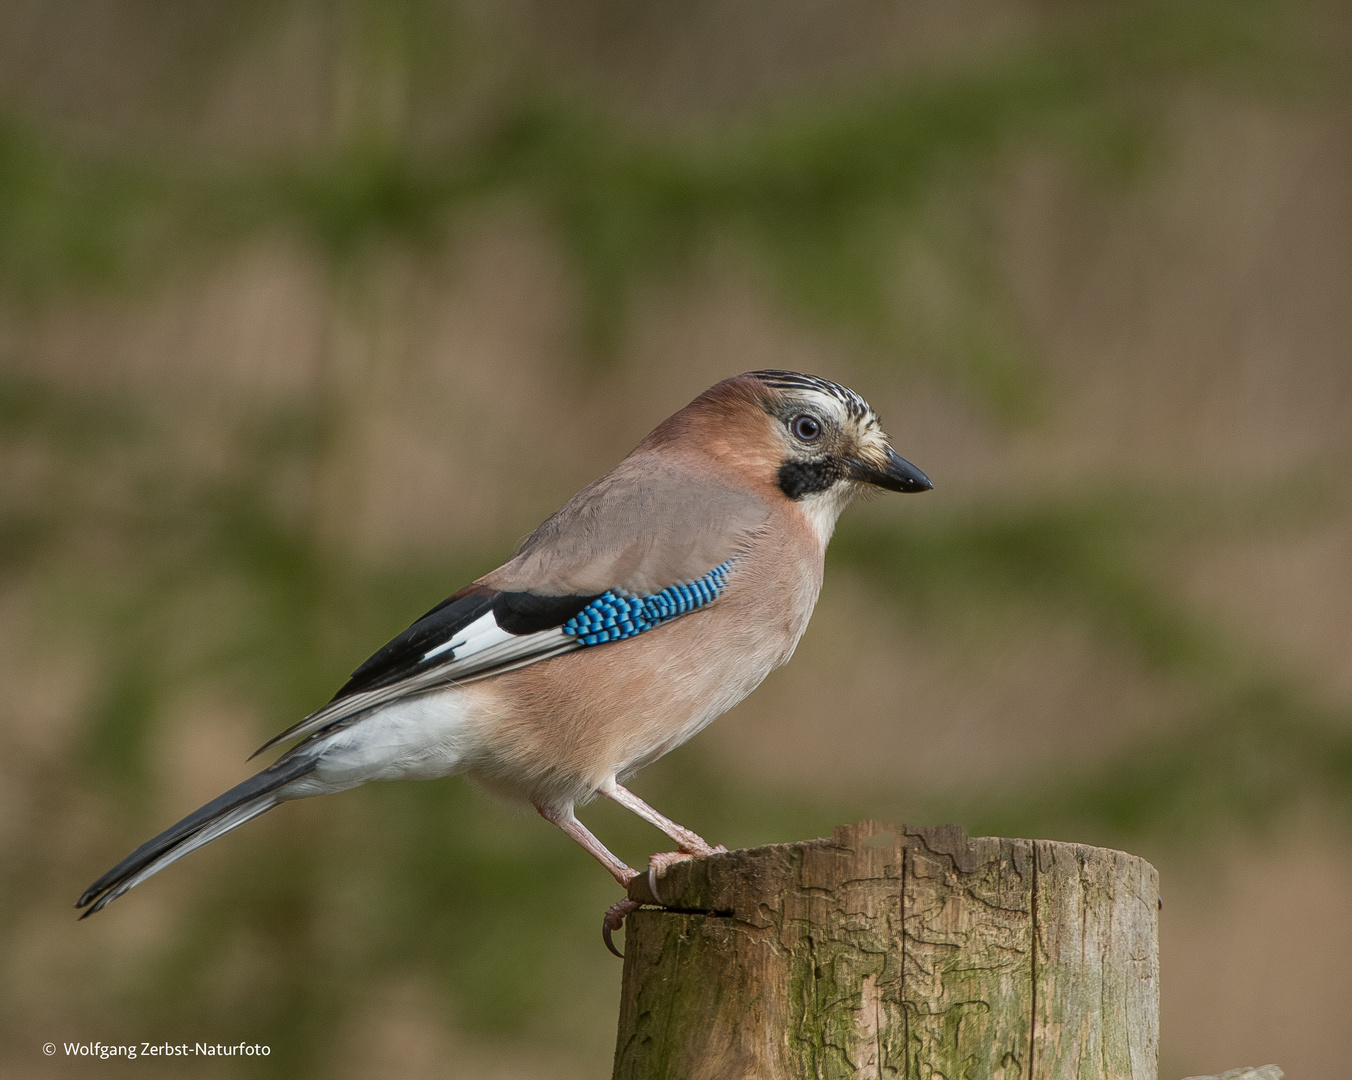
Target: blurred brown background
{"type": "Point", "coordinates": [309, 311]}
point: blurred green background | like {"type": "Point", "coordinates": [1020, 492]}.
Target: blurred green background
{"type": "Point", "coordinates": [309, 311]}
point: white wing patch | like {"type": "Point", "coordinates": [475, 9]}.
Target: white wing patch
{"type": "Point", "coordinates": [483, 633]}
{"type": "Point", "coordinates": [494, 651]}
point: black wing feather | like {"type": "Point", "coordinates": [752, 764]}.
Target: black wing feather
{"type": "Point", "coordinates": [515, 612]}
{"type": "Point", "coordinates": [529, 613]}
{"type": "Point", "coordinates": [404, 654]}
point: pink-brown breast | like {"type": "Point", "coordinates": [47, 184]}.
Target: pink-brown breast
{"type": "Point", "coordinates": [553, 732]}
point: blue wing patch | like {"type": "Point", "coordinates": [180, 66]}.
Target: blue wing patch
{"type": "Point", "coordinates": [614, 616]}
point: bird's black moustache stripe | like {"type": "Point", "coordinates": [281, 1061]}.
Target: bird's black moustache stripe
{"type": "Point", "coordinates": [799, 478]}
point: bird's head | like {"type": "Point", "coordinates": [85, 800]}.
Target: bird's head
{"type": "Point", "coordinates": [829, 439]}
{"type": "Point", "coordinates": [801, 437]}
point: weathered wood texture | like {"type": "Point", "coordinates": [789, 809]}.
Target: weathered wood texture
{"type": "Point", "coordinates": [889, 951]}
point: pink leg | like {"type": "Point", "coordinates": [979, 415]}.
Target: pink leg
{"type": "Point", "coordinates": [566, 821]}
{"type": "Point", "coordinates": [615, 914]}
{"type": "Point", "coordinates": [686, 841]}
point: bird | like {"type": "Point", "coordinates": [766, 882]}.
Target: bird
{"type": "Point", "coordinates": [649, 604]}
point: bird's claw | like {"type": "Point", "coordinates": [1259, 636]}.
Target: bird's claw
{"type": "Point", "coordinates": [614, 919]}
{"type": "Point", "coordinates": [658, 864]}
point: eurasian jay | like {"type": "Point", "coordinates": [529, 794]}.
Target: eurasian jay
{"type": "Point", "coordinates": [655, 600]}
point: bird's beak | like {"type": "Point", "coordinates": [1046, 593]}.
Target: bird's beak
{"type": "Point", "coordinates": [897, 475]}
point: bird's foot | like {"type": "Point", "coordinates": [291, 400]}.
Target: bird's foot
{"type": "Point", "coordinates": [614, 919]}
{"type": "Point", "coordinates": [702, 849]}
{"type": "Point", "coordinates": [658, 864]}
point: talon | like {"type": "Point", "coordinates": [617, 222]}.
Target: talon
{"type": "Point", "coordinates": [614, 919]}
{"type": "Point", "coordinates": [652, 884]}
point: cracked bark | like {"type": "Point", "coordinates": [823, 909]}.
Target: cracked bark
{"type": "Point", "coordinates": [889, 951]}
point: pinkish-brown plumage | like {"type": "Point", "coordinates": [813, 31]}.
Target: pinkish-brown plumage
{"type": "Point", "coordinates": [554, 736]}
{"type": "Point", "coordinates": [703, 549]}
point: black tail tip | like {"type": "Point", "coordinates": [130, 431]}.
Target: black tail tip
{"type": "Point", "coordinates": [89, 897]}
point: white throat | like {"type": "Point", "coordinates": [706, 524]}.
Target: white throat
{"type": "Point", "coordinates": [823, 508]}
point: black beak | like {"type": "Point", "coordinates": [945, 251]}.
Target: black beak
{"type": "Point", "coordinates": [898, 475]}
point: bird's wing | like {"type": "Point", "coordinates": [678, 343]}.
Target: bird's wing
{"type": "Point", "coordinates": [643, 545]}
{"type": "Point", "coordinates": [475, 633]}
{"type": "Point", "coordinates": [649, 523]}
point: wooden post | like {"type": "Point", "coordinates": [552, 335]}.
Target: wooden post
{"type": "Point", "coordinates": [889, 951]}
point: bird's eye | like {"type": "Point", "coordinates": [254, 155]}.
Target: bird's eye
{"type": "Point", "coordinates": [806, 427]}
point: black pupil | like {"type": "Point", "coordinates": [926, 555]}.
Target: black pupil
{"type": "Point", "coordinates": [807, 427]}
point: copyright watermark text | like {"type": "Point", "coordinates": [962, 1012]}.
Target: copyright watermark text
{"type": "Point", "coordinates": [132, 1051]}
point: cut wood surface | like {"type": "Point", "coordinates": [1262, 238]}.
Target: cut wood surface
{"type": "Point", "coordinates": [890, 951]}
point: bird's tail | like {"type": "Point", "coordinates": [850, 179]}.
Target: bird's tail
{"type": "Point", "coordinates": [241, 803]}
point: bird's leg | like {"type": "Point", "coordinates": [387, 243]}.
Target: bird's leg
{"type": "Point", "coordinates": [567, 821]}
{"type": "Point", "coordinates": [616, 913]}
{"type": "Point", "coordinates": [687, 843]}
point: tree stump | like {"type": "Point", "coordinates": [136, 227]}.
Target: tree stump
{"type": "Point", "coordinates": [889, 951]}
